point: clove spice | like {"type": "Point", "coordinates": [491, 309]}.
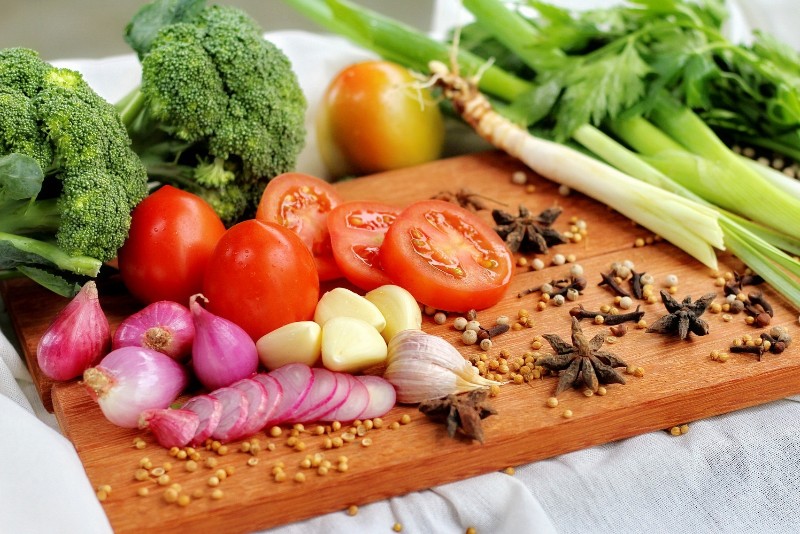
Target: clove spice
{"type": "Point", "coordinates": [609, 280]}
{"type": "Point", "coordinates": [609, 319]}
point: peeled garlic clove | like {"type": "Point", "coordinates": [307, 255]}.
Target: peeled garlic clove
{"type": "Point", "coordinates": [298, 342]}
{"type": "Point", "coordinates": [341, 302]}
{"type": "Point", "coordinates": [399, 308]}
{"type": "Point", "coordinates": [351, 345]}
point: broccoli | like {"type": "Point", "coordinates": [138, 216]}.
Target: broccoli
{"type": "Point", "coordinates": [69, 178]}
{"type": "Point", "coordinates": [219, 110]}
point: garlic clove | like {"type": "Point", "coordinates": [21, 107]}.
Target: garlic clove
{"type": "Point", "coordinates": [351, 345]}
{"type": "Point", "coordinates": [341, 302]}
{"type": "Point", "coordinates": [398, 307]}
{"type": "Point", "coordinates": [298, 342]}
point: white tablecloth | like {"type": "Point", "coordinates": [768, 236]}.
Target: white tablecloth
{"type": "Point", "coordinates": [734, 473]}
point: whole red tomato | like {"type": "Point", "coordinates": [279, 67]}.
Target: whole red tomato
{"type": "Point", "coordinates": [261, 276]}
{"type": "Point", "coordinates": [171, 238]}
{"type": "Point", "coordinates": [376, 117]}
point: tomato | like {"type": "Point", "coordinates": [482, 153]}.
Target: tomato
{"type": "Point", "coordinates": [261, 276]}
{"type": "Point", "coordinates": [171, 238]}
{"type": "Point", "coordinates": [446, 256]}
{"type": "Point", "coordinates": [374, 117]}
{"type": "Point", "coordinates": [357, 230]}
{"type": "Point", "coordinates": [301, 203]}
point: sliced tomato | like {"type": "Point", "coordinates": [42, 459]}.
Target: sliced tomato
{"type": "Point", "coordinates": [301, 203]}
{"type": "Point", "coordinates": [357, 229]}
{"type": "Point", "coordinates": [446, 256]}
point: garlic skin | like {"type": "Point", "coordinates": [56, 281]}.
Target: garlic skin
{"type": "Point", "coordinates": [423, 366]}
{"type": "Point", "coordinates": [77, 339]}
{"type": "Point", "coordinates": [341, 302]}
{"type": "Point", "coordinates": [351, 345]}
{"type": "Point", "coordinates": [398, 307]}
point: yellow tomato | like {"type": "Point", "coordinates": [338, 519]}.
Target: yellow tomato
{"type": "Point", "coordinates": [375, 116]}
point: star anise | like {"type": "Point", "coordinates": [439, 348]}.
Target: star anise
{"type": "Point", "coordinates": [683, 317]}
{"type": "Point", "coordinates": [464, 198]}
{"type": "Point", "coordinates": [582, 362]}
{"type": "Point", "coordinates": [528, 233]}
{"type": "Point", "coordinates": [460, 412]}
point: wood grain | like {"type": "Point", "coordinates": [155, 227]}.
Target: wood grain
{"type": "Point", "coordinates": [680, 383]}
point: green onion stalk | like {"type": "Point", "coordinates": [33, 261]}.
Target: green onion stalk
{"type": "Point", "coordinates": [674, 150]}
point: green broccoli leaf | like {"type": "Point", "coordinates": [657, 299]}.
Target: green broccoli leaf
{"type": "Point", "coordinates": [148, 21]}
{"type": "Point", "coordinates": [20, 177]}
{"type": "Point", "coordinates": [57, 283]}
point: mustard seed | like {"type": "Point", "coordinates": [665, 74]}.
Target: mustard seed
{"type": "Point", "coordinates": [217, 494]}
{"type": "Point", "coordinates": [352, 510]}
{"type": "Point", "coordinates": [567, 414]}
{"type": "Point", "coordinates": [405, 419]}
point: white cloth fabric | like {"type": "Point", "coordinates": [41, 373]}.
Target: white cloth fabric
{"type": "Point", "coordinates": [734, 473]}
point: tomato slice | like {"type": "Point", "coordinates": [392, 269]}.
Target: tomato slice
{"type": "Point", "coordinates": [357, 230]}
{"type": "Point", "coordinates": [301, 203]}
{"type": "Point", "coordinates": [446, 256]}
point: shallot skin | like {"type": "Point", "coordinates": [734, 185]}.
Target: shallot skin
{"type": "Point", "coordinates": [130, 380]}
{"type": "Point", "coordinates": [78, 337]}
{"type": "Point", "coordinates": [164, 326]}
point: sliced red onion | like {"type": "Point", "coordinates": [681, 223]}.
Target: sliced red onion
{"type": "Point", "coordinates": [259, 405]}
{"type": "Point", "coordinates": [338, 398]}
{"type": "Point", "coordinates": [78, 337]}
{"type": "Point", "coordinates": [223, 352]}
{"type": "Point", "coordinates": [382, 396]}
{"type": "Point", "coordinates": [274, 393]}
{"type": "Point", "coordinates": [209, 411]}
{"type": "Point", "coordinates": [320, 394]}
{"type": "Point", "coordinates": [164, 326]}
{"type": "Point", "coordinates": [234, 413]}
{"type": "Point", "coordinates": [172, 428]}
{"type": "Point", "coordinates": [356, 403]}
{"type": "Point", "coordinates": [296, 380]}
{"type": "Point", "coordinates": [130, 380]}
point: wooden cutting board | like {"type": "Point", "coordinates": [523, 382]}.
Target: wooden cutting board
{"type": "Point", "coordinates": [680, 383]}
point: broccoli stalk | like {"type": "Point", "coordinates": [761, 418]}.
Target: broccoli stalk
{"type": "Point", "coordinates": [219, 110]}
{"type": "Point", "coordinates": [68, 176]}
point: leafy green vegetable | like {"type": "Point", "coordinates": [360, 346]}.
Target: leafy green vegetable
{"type": "Point", "coordinates": [219, 110]}
{"type": "Point", "coordinates": [68, 177]}
{"type": "Point", "coordinates": [663, 64]}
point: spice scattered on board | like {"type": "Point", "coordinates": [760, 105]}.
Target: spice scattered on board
{"type": "Point", "coordinates": [461, 413]}
{"type": "Point", "coordinates": [683, 317]}
{"type": "Point", "coordinates": [582, 362]}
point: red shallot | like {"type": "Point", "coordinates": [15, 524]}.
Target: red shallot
{"type": "Point", "coordinates": [274, 393]}
{"type": "Point", "coordinates": [164, 326]}
{"type": "Point", "coordinates": [172, 428]}
{"type": "Point", "coordinates": [357, 401]}
{"type": "Point", "coordinates": [209, 411]}
{"type": "Point", "coordinates": [222, 352]}
{"type": "Point", "coordinates": [234, 414]}
{"type": "Point", "coordinates": [296, 380]}
{"type": "Point", "coordinates": [129, 380]}
{"type": "Point", "coordinates": [382, 396]}
{"type": "Point", "coordinates": [77, 338]}
{"type": "Point", "coordinates": [259, 406]}
{"type": "Point", "coordinates": [322, 391]}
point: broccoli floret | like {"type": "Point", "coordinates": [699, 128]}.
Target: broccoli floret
{"type": "Point", "coordinates": [69, 178]}
{"type": "Point", "coordinates": [218, 105]}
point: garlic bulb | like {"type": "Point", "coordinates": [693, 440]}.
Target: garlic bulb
{"type": "Point", "coordinates": [422, 367]}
